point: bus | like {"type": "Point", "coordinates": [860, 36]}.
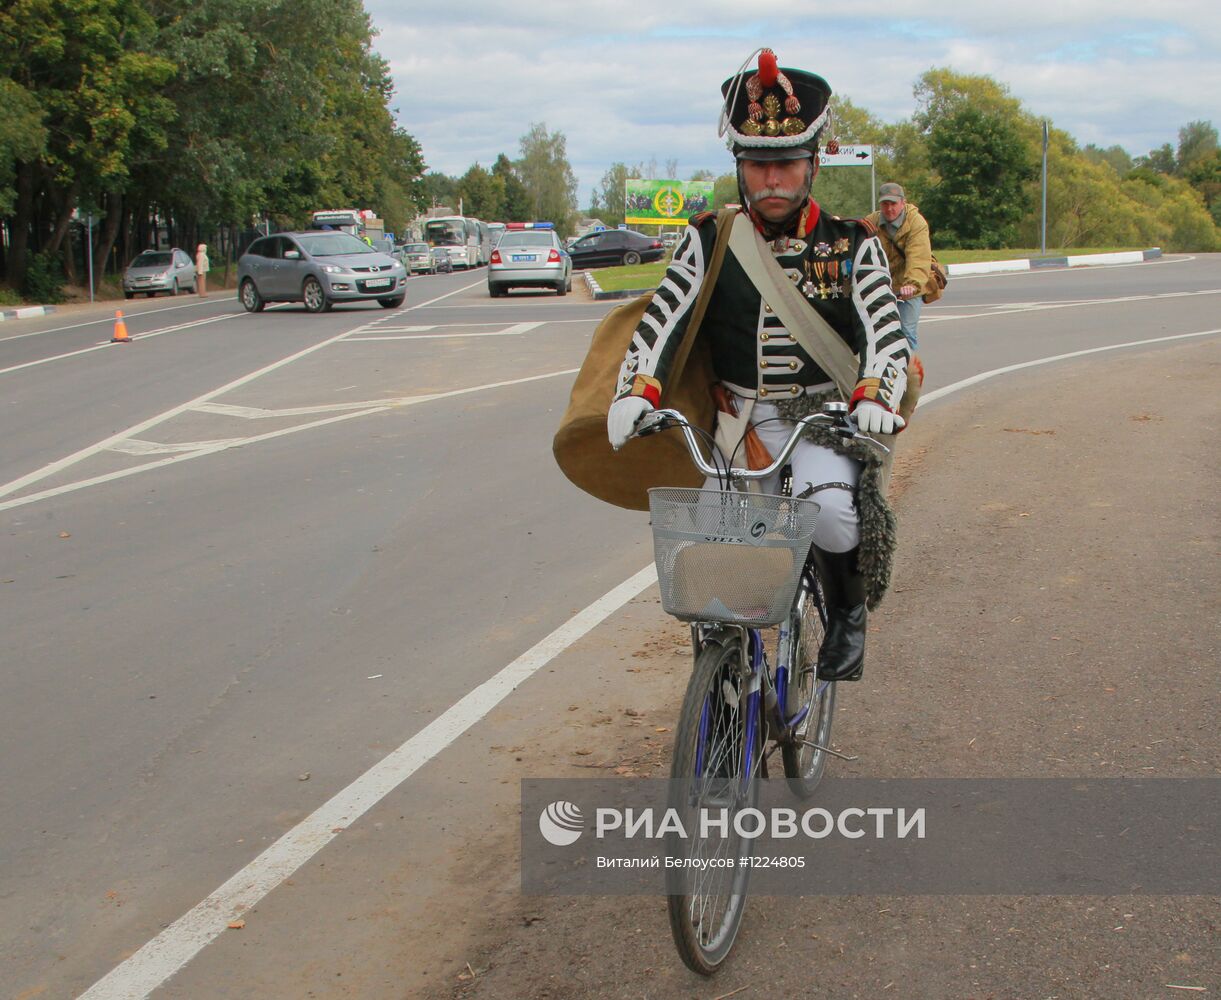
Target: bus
{"type": "Point", "coordinates": [346, 220]}
{"type": "Point", "coordinates": [466, 240]}
{"type": "Point", "coordinates": [487, 242]}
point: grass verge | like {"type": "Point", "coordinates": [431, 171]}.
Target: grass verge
{"type": "Point", "coordinates": [617, 279]}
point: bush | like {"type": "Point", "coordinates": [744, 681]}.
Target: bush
{"type": "Point", "coordinates": [9, 298]}
{"type": "Point", "coordinates": [44, 278]}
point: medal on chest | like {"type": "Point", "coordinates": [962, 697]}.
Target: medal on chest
{"type": "Point", "coordinates": [823, 279]}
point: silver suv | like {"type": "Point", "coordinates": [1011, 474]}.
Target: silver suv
{"type": "Point", "coordinates": [319, 269]}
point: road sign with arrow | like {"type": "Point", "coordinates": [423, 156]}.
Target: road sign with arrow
{"type": "Point", "coordinates": [847, 156]}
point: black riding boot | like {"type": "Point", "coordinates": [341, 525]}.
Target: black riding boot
{"type": "Point", "coordinates": [842, 657]}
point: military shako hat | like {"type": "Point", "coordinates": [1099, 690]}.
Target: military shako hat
{"type": "Point", "coordinates": [772, 113]}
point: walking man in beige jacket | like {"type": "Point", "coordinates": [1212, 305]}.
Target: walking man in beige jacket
{"type": "Point", "coordinates": [905, 238]}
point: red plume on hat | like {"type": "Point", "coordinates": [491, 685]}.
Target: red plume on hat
{"type": "Point", "coordinates": [768, 69]}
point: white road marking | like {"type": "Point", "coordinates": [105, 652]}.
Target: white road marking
{"type": "Point", "coordinates": [181, 326]}
{"type": "Point", "coordinates": [136, 977]}
{"type": "Point", "coordinates": [106, 343]}
{"type": "Point", "coordinates": [56, 357]}
{"type": "Point", "coordinates": [63, 463]}
{"type": "Point", "coordinates": [212, 447]}
{"type": "Point", "coordinates": [259, 413]}
{"type": "Point", "coordinates": [175, 946]}
{"type": "Point", "coordinates": [966, 383]}
{"type": "Point", "coordinates": [135, 446]}
{"type": "Point", "coordinates": [512, 331]}
{"type": "Point", "coordinates": [107, 319]}
{"type": "Point", "coordinates": [526, 302]}
{"type": "Point", "coordinates": [1025, 307]}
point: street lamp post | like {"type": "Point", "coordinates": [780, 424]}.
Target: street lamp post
{"type": "Point", "coordinates": [89, 249]}
{"type": "Point", "coordinates": [1043, 243]}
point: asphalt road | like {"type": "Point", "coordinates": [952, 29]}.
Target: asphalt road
{"type": "Point", "coordinates": [244, 558]}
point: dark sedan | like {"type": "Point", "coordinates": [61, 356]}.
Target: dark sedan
{"type": "Point", "coordinates": [614, 247]}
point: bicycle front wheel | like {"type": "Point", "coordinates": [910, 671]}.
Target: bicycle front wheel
{"type": "Point", "coordinates": [804, 763]}
{"type": "Point", "coordinates": [714, 773]}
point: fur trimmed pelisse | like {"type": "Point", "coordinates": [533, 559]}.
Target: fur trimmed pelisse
{"type": "Point", "coordinates": [879, 527]}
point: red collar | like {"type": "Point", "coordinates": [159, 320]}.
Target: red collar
{"type": "Point", "coordinates": [805, 224]}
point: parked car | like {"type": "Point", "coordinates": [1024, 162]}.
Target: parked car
{"type": "Point", "coordinates": [154, 271]}
{"type": "Point", "coordinates": [417, 257]}
{"type": "Point", "coordinates": [615, 246]}
{"type": "Point", "coordinates": [531, 258]}
{"type": "Point", "coordinates": [318, 268]}
{"type": "Point", "coordinates": [442, 262]}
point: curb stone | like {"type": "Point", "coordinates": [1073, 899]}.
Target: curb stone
{"type": "Point", "coordinates": [596, 290]}
{"type": "Point", "coordinates": [26, 312]}
{"type": "Point", "coordinates": [1042, 263]}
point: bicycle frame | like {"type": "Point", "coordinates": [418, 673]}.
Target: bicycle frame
{"type": "Point", "coordinates": [766, 697]}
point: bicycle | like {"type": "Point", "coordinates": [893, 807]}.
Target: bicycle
{"type": "Point", "coordinates": [732, 562]}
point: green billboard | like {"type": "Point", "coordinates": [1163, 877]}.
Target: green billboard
{"type": "Point", "coordinates": [661, 203]}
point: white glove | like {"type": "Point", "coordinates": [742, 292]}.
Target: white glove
{"type": "Point", "coordinates": [873, 418]}
{"type": "Point", "coordinates": [623, 417]}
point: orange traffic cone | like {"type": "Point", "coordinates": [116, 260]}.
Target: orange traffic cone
{"type": "Point", "coordinates": [120, 329]}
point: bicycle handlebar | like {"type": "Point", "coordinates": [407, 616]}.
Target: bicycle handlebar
{"type": "Point", "coordinates": [834, 415]}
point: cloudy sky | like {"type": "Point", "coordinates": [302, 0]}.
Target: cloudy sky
{"type": "Point", "coordinates": [634, 81]}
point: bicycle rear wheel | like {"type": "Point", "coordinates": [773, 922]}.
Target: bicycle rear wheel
{"type": "Point", "coordinates": [803, 764]}
{"type": "Point", "coordinates": [707, 892]}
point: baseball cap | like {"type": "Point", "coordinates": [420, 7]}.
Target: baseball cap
{"type": "Point", "coordinates": [890, 192]}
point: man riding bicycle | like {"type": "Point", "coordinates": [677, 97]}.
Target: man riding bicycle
{"type": "Point", "coordinates": [773, 119]}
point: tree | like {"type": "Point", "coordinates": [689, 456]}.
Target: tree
{"type": "Point", "coordinates": [400, 186]}
{"type": "Point", "coordinates": [1116, 157]}
{"type": "Point", "coordinates": [725, 191]}
{"type": "Point", "coordinates": [942, 94]}
{"type": "Point", "coordinates": [550, 185]}
{"type": "Point", "coordinates": [439, 189]}
{"type": "Point", "coordinates": [1205, 177]}
{"type": "Point", "coordinates": [92, 72]}
{"type": "Point", "coordinates": [516, 202]}
{"type": "Point", "coordinates": [981, 164]}
{"type": "Point", "coordinates": [1160, 160]}
{"type": "Point", "coordinates": [23, 137]}
{"type": "Point", "coordinates": [1197, 143]}
{"type": "Point", "coordinates": [851, 124]}
{"type": "Point", "coordinates": [610, 196]}
{"type": "Point", "coordinates": [482, 193]}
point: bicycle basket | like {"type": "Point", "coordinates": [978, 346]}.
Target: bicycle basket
{"type": "Point", "coordinates": [729, 556]}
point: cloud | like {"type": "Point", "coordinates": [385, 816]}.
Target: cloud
{"type": "Point", "coordinates": [630, 81]}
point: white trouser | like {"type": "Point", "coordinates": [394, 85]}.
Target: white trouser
{"type": "Point", "coordinates": [837, 528]}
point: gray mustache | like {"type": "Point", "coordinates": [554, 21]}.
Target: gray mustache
{"type": "Point", "coordinates": [788, 194]}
